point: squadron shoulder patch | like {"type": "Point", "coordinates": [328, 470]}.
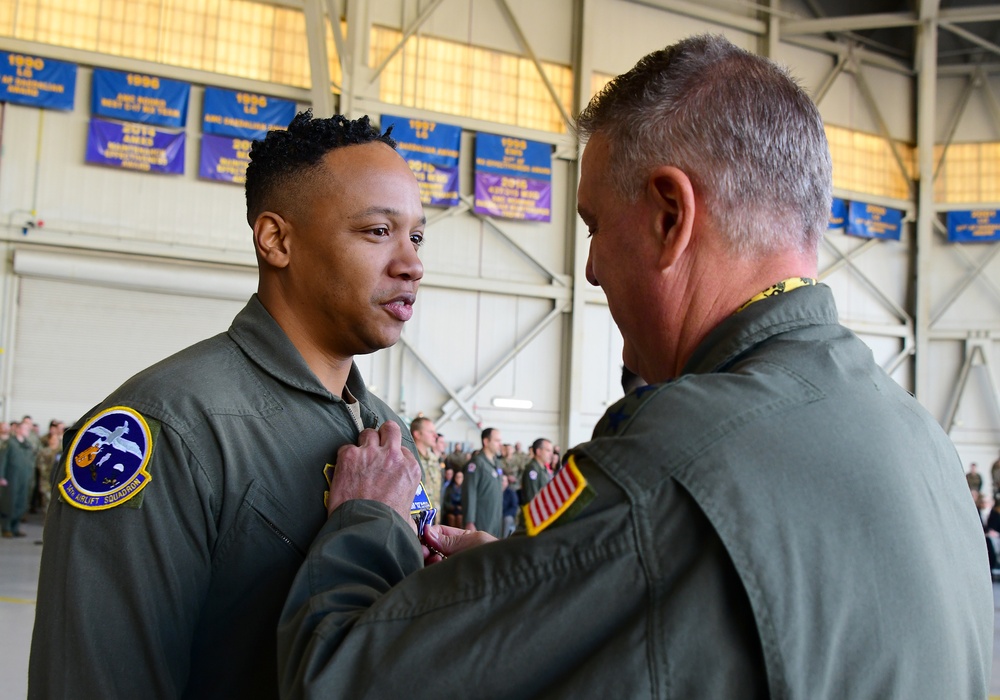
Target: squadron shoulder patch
{"type": "Point", "coordinates": [106, 463]}
{"type": "Point", "coordinates": [557, 498]}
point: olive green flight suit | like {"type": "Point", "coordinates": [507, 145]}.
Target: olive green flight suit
{"type": "Point", "coordinates": [482, 495]}
{"type": "Point", "coordinates": [534, 479]}
{"type": "Point", "coordinates": [783, 521]}
{"type": "Point", "coordinates": [180, 596]}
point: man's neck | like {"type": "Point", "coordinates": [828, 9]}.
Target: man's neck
{"type": "Point", "coordinates": [711, 297]}
{"type": "Point", "coordinates": [332, 372]}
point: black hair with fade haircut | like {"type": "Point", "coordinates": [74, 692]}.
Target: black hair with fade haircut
{"type": "Point", "coordinates": [281, 158]}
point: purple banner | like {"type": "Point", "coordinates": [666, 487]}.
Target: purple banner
{"type": "Point", "coordinates": [438, 183]}
{"type": "Point", "coordinates": [513, 197]}
{"type": "Point", "coordinates": [224, 158]}
{"type": "Point", "coordinates": [135, 147]}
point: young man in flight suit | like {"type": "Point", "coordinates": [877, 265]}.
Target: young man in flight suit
{"type": "Point", "coordinates": [189, 497]}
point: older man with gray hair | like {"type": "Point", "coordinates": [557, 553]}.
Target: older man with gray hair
{"type": "Point", "coordinates": [726, 532]}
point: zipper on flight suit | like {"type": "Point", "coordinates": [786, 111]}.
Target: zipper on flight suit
{"type": "Point", "coordinates": [281, 535]}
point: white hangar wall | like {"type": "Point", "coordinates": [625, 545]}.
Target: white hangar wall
{"type": "Point", "coordinates": [504, 310]}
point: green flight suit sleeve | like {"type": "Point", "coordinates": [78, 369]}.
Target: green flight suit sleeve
{"type": "Point", "coordinates": [120, 590]}
{"type": "Point", "coordinates": [362, 551]}
{"type": "Point", "coordinates": [365, 619]}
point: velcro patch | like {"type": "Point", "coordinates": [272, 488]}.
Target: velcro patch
{"type": "Point", "coordinates": [567, 488]}
{"type": "Point", "coordinates": [106, 462]}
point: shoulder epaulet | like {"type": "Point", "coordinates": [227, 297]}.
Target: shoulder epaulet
{"type": "Point", "coordinates": [559, 500]}
{"type": "Point", "coordinates": [618, 414]}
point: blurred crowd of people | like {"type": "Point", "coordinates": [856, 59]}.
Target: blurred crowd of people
{"type": "Point", "coordinates": [27, 459]}
{"type": "Point", "coordinates": [989, 510]}
{"type": "Point", "coordinates": [482, 488]}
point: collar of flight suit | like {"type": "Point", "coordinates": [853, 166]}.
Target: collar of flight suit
{"type": "Point", "coordinates": [256, 332]}
{"type": "Point", "coordinates": [802, 307]}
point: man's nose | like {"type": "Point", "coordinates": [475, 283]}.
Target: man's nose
{"type": "Point", "coordinates": [406, 263]}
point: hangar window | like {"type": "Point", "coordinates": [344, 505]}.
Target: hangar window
{"type": "Point", "coordinates": [598, 81]}
{"type": "Point", "coordinates": [970, 173]}
{"type": "Point", "coordinates": [455, 78]}
{"type": "Point", "coordinates": [234, 37]}
{"type": "Point", "coordinates": [865, 163]}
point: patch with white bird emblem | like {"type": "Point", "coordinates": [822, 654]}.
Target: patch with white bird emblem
{"type": "Point", "coordinates": [106, 462]}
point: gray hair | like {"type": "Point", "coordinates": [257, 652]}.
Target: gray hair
{"type": "Point", "coordinates": [737, 124]}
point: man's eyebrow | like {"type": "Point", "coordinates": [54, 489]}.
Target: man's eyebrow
{"type": "Point", "coordinates": [584, 213]}
{"type": "Point", "coordinates": [385, 211]}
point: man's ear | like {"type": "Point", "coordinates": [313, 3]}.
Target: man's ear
{"type": "Point", "coordinates": [271, 239]}
{"type": "Point", "coordinates": [672, 194]}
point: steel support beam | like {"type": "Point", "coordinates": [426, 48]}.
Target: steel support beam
{"type": "Point", "coordinates": [869, 97]}
{"type": "Point", "coordinates": [459, 401]}
{"type": "Point", "coordinates": [926, 67]}
{"type": "Point", "coordinates": [574, 371]}
{"type": "Point", "coordinates": [339, 42]}
{"type": "Point", "coordinates": [963, 102]}
{"type": "Point", "coordinates": [985, 13]}
{"type": "Point", "coordinates": [319, 62]}
{"type": "Point", "coordinates": [708, 14]}
{"type": "Point", "coordinates": [848, 23]}
{"type": "Point", "coordinates": [522, 40]}
{"type": "Point", "coordinates": [449, 409]}
{"type": "Point", "coordinates": [407, 33]}
{"type": "Point", "coordinates": [970, 37]}
{"type": "Point", "coordinates": [887, 302]}
{"type": "Point", "coordinates": [860, 55]}
{"type": "Point", "coordinates": [976, 346]}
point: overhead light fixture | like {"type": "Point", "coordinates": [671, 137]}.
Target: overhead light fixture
{"type": "Point", "coordinates": [507, 402]}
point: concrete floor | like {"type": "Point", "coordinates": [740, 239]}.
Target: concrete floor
{"type": "Point", "coordinates": [19, 560]}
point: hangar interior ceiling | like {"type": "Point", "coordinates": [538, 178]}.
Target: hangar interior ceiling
{"type": "Point", "coordinates": [505, 309]}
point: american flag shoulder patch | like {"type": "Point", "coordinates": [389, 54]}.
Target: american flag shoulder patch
{"type": "Point", "coordinates": [568, 488]}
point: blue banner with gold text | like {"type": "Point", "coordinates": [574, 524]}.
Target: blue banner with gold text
{"type": "Point", "coordinates": [135, 97]}
{"type": "Point", "coordinates": [838, 213]}
{"type": "Point", "coordinates": [976, 226]}
{"type": "Point", "coordinates": [244, 115]}
{"type": "Point", "coordinates": [874, 221]}
{"type": "Point", "coordinates": [431, 149]}
{"type": "Point", "coordinates": [37, 81]}
{"type": "Point", "coordinates": [513, 178]}
{"type": "Point", "coordinates": [224, 158]}
{"type": "Point", "coordinates": [135, 147]}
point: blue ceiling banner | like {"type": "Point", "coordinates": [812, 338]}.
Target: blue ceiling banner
{"type": "Point", "coordinates": [244, 115]}
{"type": "Point", "coordinates": [976, 226]}
{"type": "Point", "coordinates": [135, 147]}
{"type": "Point", "coordinates": [431, 149]}
{"type": "Point", "coordinates": [37, 82]}
{"type": "Point", "coordinates": [134, 97]}
{"type": "Point", "coordinates": [838, 213]}
{"type": "Point", "coordinates": [224, 159]}
{"type": "Point", "coordinates": [874, 221]}
{"type": "Point", "coordinates": [513, 178]}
